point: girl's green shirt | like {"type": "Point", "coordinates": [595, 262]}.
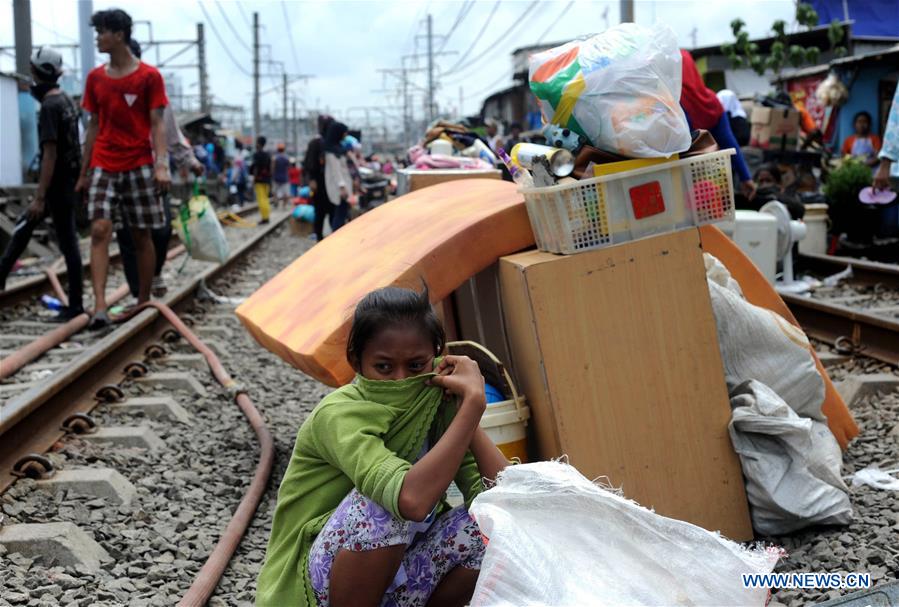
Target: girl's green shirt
{"type": "Point", "coordinates": [363, 435]}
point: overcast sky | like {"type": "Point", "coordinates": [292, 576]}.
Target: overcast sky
{"type": "Point", "coordinates": [344, 44]}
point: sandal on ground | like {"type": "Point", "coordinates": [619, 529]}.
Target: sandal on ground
{"type": "Point", "coordinates": [66, 314]}
{"type": "Point", "coordinates": [100, 320]}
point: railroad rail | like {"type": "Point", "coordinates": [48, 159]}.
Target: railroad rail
{"type": "Point", "coordinates": [873, 331]}
{"type": "Point", "coordinates": [33, 286]}
{"type": "Point", "coordinates": [35, 419]}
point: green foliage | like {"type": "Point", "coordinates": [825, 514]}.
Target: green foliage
{"type": "Point", "coordinates": [846, 181]}
{"type": "Point", "coordinates": [834, 33]}
{"type": "Point", "coordinates": [742, 52]}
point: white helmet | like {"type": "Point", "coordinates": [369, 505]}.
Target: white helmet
{"type": "Point", "coordinates": [47, 63]}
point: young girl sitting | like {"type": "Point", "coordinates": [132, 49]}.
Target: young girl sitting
{"type": "Point", "coordinates": [361, 517]}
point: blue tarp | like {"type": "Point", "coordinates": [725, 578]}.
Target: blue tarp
{"type": "Point", "coordinates": [870, 17]}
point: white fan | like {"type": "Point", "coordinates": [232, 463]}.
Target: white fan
{"type": "Point", "coordinates": [789, 232]}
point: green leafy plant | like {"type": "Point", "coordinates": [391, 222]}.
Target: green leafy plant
{"type": "Point", "coordinates": [846, 181]}
{"type": "Point", "coordinates": [745, 53]}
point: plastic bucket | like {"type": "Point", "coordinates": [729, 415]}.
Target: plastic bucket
{"type": "Point", "coordinates": [504, 421]}
{"type": "Point", "coordinates": [505, 424]}
{"type": "Point", "coordinates": [816, 220]}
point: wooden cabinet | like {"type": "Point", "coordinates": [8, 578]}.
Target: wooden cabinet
{"type": "Point", "coordinates": [617, 353]}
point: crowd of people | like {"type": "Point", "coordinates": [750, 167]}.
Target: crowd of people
{"type": "Point", "coordinates": [116, 154]}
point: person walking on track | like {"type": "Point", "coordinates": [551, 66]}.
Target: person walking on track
{"type": "Point", "coordinates": [261, 170]}
{"type": "Point", "coordinates": [126, 100]}
{"type": "Point", "coordinates": [60, 165]}
{"type": "Point", "coordinates": [183, 158]}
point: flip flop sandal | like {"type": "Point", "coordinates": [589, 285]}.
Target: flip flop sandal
{"type": "Point", "coordinates": [100, 320]}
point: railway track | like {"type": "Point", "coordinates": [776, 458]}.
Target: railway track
{"type": "Point", "coordinates": [23, 289]}
{"type": "Point", "coordinates": [857, 315]}
{"type": "Point", "coordinates": [54, 396]}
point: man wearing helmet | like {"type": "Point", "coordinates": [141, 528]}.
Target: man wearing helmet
{"type": "Point", "coordinates": [60, 166]}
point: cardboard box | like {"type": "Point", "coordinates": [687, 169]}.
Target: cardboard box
{"type": "Point", "coordinates": [774, 128]}
{"type": "Point", "coordinates": [617, 353]}
{"type": "Point", "coordinates": [299, 228]}
{"type": "Point", "coordinates": [410, 180]}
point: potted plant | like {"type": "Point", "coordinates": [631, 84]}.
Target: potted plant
{"type": "Point", "coordinates": [846, 212]}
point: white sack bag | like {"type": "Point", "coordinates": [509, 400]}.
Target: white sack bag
{"type": "Point", "coordinates": [791, 464]}
{"type": "Point", "coordinates": [556, 538]}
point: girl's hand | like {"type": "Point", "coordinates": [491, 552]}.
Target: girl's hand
{"type": "Point", "coordinates": [461, 376]}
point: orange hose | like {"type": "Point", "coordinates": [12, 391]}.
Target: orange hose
{"type": "Point", "coordinates": [37, 348]}
{"type": "Point", "coordinates": [210, 574]}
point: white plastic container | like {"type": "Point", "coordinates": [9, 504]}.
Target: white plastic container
{"type": "Point", "coordinates": [816, 221]}
{"type": "Point", "coordinates": [756, 235]}
{"type": "Point", "coordinates": [607, 210]}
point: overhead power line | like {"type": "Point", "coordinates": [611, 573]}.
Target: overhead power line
{"type": "Point", "coordinates": [293, 48]}
{"type": "Point", "coordinates": [476, 38]}
{"type": "Point", "coordinates": [499, 41]}
{"type": "Point", "coordinates": [244, 14]}
{"type": "Point", "coordinates": [555, 22]}
{"type": "Point", "coordinates": [232, 28]}
{"type": "Point", "coordinates": [463, 12]}
{"type": "Point", "coordinates": [218, 37]}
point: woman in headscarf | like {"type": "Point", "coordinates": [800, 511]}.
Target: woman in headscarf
{"type": "Point", "coordinates": [739, 122]}
{"type": "Point", "coordinates": [314, 169]}
{"type": "Point", "coordinates": [704, 111]}
{"type": "Point", "coordinates": [338, 181]}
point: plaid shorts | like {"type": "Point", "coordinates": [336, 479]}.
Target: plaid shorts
{"type": "Point", "coordinates": [131, 192]}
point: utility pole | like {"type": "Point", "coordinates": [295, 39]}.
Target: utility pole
{"type": "Point", "coordinates": [627, 11]}
{"type": "Point", "coordinates": [430, 70]}
{"type": "Point", "coordinates": [256, 125]}
{"type": "Point", "coordinates": [21, 10]}
{"type": "Point", "coordinates": [293, 113]}
{"type": "Point", "coordinates": [201, 60]}
{"type": "Point", "coordinates": [284, 102]}
{"type": "Point", "coordinates": [86, 37]}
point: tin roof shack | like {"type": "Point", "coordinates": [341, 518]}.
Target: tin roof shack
{"type": "Point", "coordinates": [871, 80]}
{"type": "Point", "coordinates": [719, 74]}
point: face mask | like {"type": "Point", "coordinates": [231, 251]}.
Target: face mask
{"type": "Point", "coordinates": [40, 89]}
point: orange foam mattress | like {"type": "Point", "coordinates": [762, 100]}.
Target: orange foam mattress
{"type": "Point", "coordinates": [444, 234]}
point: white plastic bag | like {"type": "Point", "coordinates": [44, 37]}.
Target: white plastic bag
{"type": "Point", "coordinates": [791, 464]}
{"type": "Point", "coordinates": [200, 230]}
{"type": "Point", "coordinates": [555, 538]}
{"type": "Point", "coordinates": [759, 344]}
{"type": "Point", "coordinates": [620, 89]}
{"type": "Point", "coordinates": [877, 478]}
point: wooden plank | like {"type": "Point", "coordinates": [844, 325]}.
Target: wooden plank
{"type": "Point", "coordinates": [632, 373]}
{"type": "Point", "coordinates": [443, 234]}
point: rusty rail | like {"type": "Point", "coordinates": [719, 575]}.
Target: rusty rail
{"type": "Point", "coordinates": [33, 286]}
{"type": "Point", "coordinates": [31, 420]}
{"type": "Point", "coordinates": [863, 272]}
{"type": "Point", "coordinates": [858, 331]}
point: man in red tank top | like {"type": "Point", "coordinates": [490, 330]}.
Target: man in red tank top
{"type": "Point", "coordinates": [126, 99]}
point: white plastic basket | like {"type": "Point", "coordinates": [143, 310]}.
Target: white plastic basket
{"type": "Point", "coordinates": [611, 209]}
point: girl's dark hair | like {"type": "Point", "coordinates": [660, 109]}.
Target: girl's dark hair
{"type": "Point", "coordinates": [113, 20]}
{"type": "Point", "coordinates": [392, 306]}
{"type": "Point", "coordinates": [860, 114]}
